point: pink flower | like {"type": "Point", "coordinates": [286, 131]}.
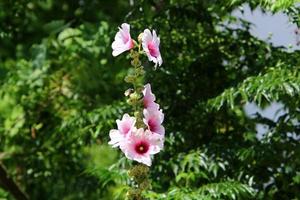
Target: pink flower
{"type": "Point", "coordinates": [125, 126]}
{"type": "Point", "coordinates": [150, 43]}
{"type": "Point", "coordinates": [123, 41]}
{"type": "Point", "coordinates": [153, 119]}
{"type": "Point", "coordinates": [140, 145]}
{"type": "Point", "coordinates": [149, 98]}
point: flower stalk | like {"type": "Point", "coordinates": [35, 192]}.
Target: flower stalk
{"type": "Point", "coordinates": [141, 135]}
{"type": "Point", "coordinates": [138, 173]}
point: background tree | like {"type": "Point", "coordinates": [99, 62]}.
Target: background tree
{"type": "Point", "coordinates": [61, 91]}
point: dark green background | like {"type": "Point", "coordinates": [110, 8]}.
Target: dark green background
{"type": "Point", "coordinates": [61, 92]}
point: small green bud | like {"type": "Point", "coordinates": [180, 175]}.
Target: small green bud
{"type": "Point", "coordinates": [139, 173]}
{"type": "Point", "coordinates": [134, 54]}
{"type": "Point", "coordinates": [128, 92]}
{"type": "Point", "coordinates": [134, 96]}
{"type": "Point", "coordinates": [140, 70]}
{"type": "Point", "coordinates": [130, 79]}
{"type": "Point", "coordinates": [140, 37]}
{"type": "Point", "coordinates": [136, 113]}
{"type": "Point", "coordinates": [130, 102]}
{"type": "Point", "coordinates": [136, 62]}
{"type": "Point", "coordinates": [145, 184]}
{"type": "Point", "coordinates": [140, 89]}
{"type": "Point", "coordinates": [134, 194]}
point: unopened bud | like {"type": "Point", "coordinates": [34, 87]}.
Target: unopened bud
{"type": "Point", "coordinates": [129, 79]}
{"type": "Point", "coordinates": [134, 97]}
{"type": "Point", "coordinates": [140, 37]}
{"type": "Point", "coordinates": [140, 70]}
{"type": "Point", "coordinates": [128, 92]}
{"type": "Point", "coordinates": [136, 62]}
{"type": "Point", "coordinates": [137, 114]}
{"type": "Point", "coordinates": [129, 101]}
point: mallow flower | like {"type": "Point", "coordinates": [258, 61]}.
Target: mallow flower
{"type": "Point", "coordinates": [123, 41]}
{"type": "Point", "coordinates": [153, 119]}
{"type": "Point", "coordinates": [150, 44]}
{"type": "Point", "coordinates": [140, 145]}
{"type": "Point", "coordinates": [125, 126]}
{"type": "Point", "coordinates": [149, 98]}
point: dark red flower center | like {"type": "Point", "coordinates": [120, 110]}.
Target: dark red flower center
{"type": "Point", "coordinates": [142, 147]}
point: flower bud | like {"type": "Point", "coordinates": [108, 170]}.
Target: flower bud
{"type": "Point", "coordinates": [136, 62]}
{"type": "Point", "coordinates": [140, 70]}
{"type": "Point", "coordinates": [137, 114]}
{"type": "Point", "coordinates": [133, 193]}
{"type": "Point", "coordinates": [128, 92]}
{"type": "Point", "coordinates": [134, 54]}
{"type": "Point", "coordinates": [140, 37]}
{"type": "Point", "coordinates": [129, 79]}
{"type": "Point", "coordinates": [134, 97]}
{"type": "Point", "coordinates": [129, 101]}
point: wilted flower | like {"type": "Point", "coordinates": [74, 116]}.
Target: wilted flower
{"type": "Point", "coordinates": [149, 98]}
{"type": "Point", "coordinates": [140, 145]}
{"type": "Point", "coordinates": [123, 41]}
{"type": "Point", "coordinates": [150, 43]}
{"type": "Point", "coordinates": [153, 118]}
{"type": "Point", "coordinates": [125, 126]}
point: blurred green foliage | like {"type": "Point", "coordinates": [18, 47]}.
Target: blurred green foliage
{"type": "Point", "coordinates": [61, 92]}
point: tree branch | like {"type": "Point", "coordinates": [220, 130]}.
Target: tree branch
{"type": "Point", "coordinates": [8, 184]}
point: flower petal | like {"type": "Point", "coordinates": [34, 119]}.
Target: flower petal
{"type": "Point", "coordinates": [115, 138]}
{"type": "Point", "coordinates": [123, 41]}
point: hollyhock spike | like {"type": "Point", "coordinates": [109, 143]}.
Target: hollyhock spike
{"type": "Point", "coordinates": [140, 145]}
{"type": "Point", "coordinates": [123, 41]}
{"type": "Point", "coordinates": [150, 44]}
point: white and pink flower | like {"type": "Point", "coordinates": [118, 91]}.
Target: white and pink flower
{"type": "Point", "coordinates": [153, 119]}
{"type": "Point", "coordinates": [123, 41]}
{"type": "Point", "coordinates": [149, 98]}
{"type": "Point", "coordinates": [140, 145]}
{"type": "Point", "coordinates": [150, 43]}
{"type": "Point", "coordinates": [125, 126]}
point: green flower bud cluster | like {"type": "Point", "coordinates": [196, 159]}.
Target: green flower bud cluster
{"type": "Point", "coordinates": [134, 98]}
{"type": "Point", "coordinates": [139, 174]}
{"type": "Point", "coordinates": [136, 75]}
{"type": "Point", "coordinates": [136, 78]}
